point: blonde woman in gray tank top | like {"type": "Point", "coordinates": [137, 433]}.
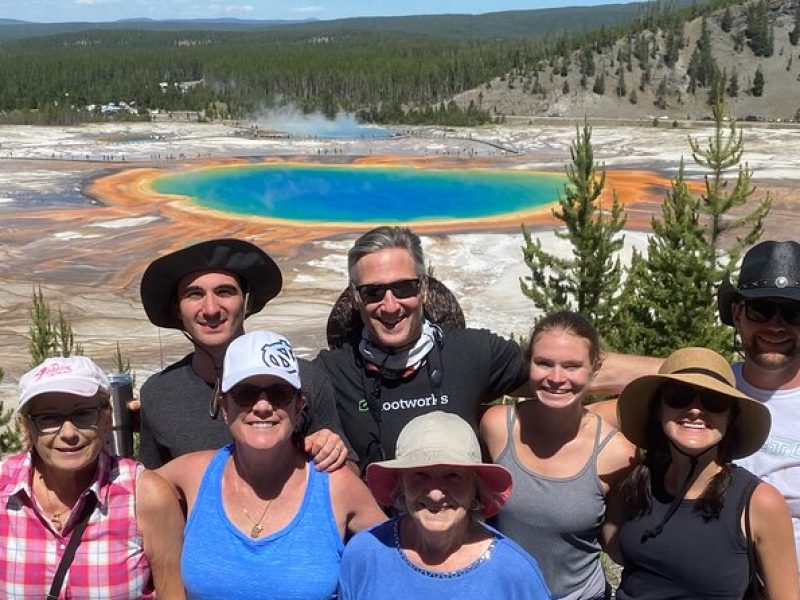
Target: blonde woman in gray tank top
{"type": "Point", "coordinates": [563, 459]}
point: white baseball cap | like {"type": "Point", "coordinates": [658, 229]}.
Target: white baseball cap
{"type": "Point", "coordinates": [259, 353]}
{"type": "Point", "coordinates": [74, 375]}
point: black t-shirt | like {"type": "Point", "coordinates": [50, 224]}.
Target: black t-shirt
{"type": "Point", "coordinates": [175, 419]}
{"type": "Point", "coordinates": [468, 367]}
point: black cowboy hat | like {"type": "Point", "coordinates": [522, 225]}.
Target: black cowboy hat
{"type": "Point", "coordinates": [769, 270]}
{"type": "Point", "coordinates": [257, 271]}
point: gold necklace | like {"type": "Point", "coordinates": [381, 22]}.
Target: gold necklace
{"type": "Point", "coordinates": [257, 529]}
{"type": "Point", "coordinates": [53, 517]}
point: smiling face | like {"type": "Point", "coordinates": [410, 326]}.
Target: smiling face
{"type": "Point", "coordinates": [561, 367]}
{"type": "Point", "coordinates": [693, 428]}
{"type": "Point", "coordinates": [438, 498]}
{"type": "Point", "coordinates": [391, 322]}
{"type": "Point", "coordinates": [69, 449]}
{"type": "Point", "coordinates": [211, 307]}
{"type": "Point", "coordinates": [771, 345]}
{"type": "Point", "coordinates": [262, 411]}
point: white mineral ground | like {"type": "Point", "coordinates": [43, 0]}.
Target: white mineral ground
{"type": "Point", "coordinates": [88, 256]}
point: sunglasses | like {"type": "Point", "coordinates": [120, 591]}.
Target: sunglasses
{"type": "Point", "coordinates": [278, 395]}
{"type": "Point", "coordinates": [374, 292]}
{"type": "Point", "coordinates": [50, 423]}
{"type": "Point", "coordinates": [678, 397]}
{"type": "Point", "coordinates": [761, 311]}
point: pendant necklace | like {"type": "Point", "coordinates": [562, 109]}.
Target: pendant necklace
{"type": "Point", "coordinates": [257, 529]}
{"type": "Point", "coordinates": [54, 517]}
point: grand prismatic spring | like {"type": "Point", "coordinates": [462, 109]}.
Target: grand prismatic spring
{"type": "Point", "coordinates": [365, 194]}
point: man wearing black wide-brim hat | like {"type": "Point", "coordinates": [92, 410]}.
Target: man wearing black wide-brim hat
{"type": "Point", "coordinates": [764, 307]}
{"type": "Point", "coordinates": [206, 291]}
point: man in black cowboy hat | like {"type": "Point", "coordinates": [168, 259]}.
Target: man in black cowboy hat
{"type": "Point", "coordinates": [764, 308]}
{"type": "Point", "coordinates": [207, 291]}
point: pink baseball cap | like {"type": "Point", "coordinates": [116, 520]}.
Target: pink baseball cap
{"type": "Point", "coordinates": [75, 375]}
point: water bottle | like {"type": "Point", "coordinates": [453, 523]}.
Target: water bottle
{"type": "Point", "coordinates": [120, 441]}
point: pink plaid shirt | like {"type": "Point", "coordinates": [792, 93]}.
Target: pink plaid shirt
{"type": "Point", "coordinates": [109, 563]}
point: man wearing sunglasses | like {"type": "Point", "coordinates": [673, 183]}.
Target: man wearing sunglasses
{"type": "Point", "coordinates": [206, 291]}
{"type": "Point", "coordinates": [764, 308]}
{"type": "Point", "coordinates": [403, 365]}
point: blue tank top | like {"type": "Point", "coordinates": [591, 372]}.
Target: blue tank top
{"type": "Point", "coordinates": [299, 562]}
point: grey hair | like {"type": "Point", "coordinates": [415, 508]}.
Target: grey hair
{"type": "Point", "coordinates": [382, 238]}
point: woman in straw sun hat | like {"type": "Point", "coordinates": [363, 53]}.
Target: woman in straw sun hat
{"type": "Point", "coordinates": [679, 523]}
{"type": "Point", "coordinates": [438, 546]}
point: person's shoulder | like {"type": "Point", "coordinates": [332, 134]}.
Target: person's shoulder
{"type": "Point", "coordinates": [381, 534]}
{"type": "Point", "coordinates": [185, 472]}
{"type": "Point", "coordinates": [154, 491]}
{"type": "Point", "coordinates": [493, 421]}
{"type": "Point", "coordinates": [165, 375]}
{"type": "Point", "coordinates": [510, 553]}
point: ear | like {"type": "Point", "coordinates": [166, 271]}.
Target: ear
{"type": "Point", "coordinates": [737, 308]}
{"type": "Point", "coordinates": [300, 403]}
{"type": "Point", "coordinates": [424, 290]}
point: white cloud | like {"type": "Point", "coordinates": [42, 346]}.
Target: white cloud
{"type": "Point", "coordinates": [239, 8]}
{"type": "Point", "coordinates": [308, 9]}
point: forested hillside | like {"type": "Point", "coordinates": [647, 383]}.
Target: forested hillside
{"type": "Point", "coordinates": [663, 59]}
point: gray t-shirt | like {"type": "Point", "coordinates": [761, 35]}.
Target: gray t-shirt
{"type": "Point", "coordinates": [175, 419]}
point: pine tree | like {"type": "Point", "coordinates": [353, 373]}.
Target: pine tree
{"type": "Point", "coordinates": [723, 152]}
{"type": "Point", "coordinates": [678, 263]}
{"type": "Point", "coordinates": [733, 85]}
{"type": "Point", "coordinates": [727, 20]}
{"type": "Point", "coordinates": [599, 86]}
{"type": "Point", "coordinates": [794, 34]}
{"type": "Point", "coordinates": [10, 440]}
{"type": "Point", "coordinates": [760, 35]}
{"type": "Point", "coordinates": [49, 338]}
{"type": "Point", "coordinates": [758, 83]}
{"type": "Point", "coordinates": [622, 89]}
{"type": "Point", "coordinates": [661, 94]}
{"type": "Point", "coordinates": [685, 255]}
{"type": "Point", "coordinates": [588, 281]}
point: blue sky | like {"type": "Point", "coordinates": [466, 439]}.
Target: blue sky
{"type": "Point", "coordinates": [111, 10]}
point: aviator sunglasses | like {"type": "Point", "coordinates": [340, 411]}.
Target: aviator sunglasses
{"type": "Point", "coordinates": [682, 396]}
{"type": "Point", "coordinates": [278, 395]}
{"type": "Point", "coordinates": [374, 292]}
{"type": "Point", "coordinates": [761, 311]}
{"type": "Point", "coordinates": [82, 418]}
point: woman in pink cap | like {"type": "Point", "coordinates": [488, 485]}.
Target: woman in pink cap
{"type": "Point", "coordinates": [439, 545]}
{"type": "Point", "coordinates": [76, 522]}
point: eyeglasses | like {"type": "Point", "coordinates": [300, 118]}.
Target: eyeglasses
{"type": "Point", "coordinates": [50, 423]}
{"type": "Point", "coordinates": [374, 292]}
{"type": "Point", "coordinates": [278, 395]}
{"type": "Point", "coordinates": [679, 396]}
{"type": "Point", "coordinates": [761, 311]}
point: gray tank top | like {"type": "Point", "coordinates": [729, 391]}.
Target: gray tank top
{"type": "Point", "coordinates": [557, 520]}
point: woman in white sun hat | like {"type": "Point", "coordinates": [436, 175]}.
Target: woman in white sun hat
{"type": "Point", "coordinates": [262, 521]}
{"type": "Point", "coordinates": [438, 546]}
{"type": "Point", "coordinates": [679, 524]}
{"type": "Point", "coordinates": [75, 521]}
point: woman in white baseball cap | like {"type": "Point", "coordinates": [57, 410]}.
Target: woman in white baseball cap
{"type": "Point", "coordinates": [439, 545]}
{"type": "Point", "coordinates": [68, 507]}
{"type": "Point", "coordinates": [262, 521]}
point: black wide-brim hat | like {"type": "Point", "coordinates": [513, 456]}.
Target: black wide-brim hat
{"type": "Point", "coordinates": [247, 261]}
{"type": "Point", "coordinates": [769, 270]}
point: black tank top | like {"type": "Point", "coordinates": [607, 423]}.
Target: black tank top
{"type": "Point", "coordinates": [693, 557]}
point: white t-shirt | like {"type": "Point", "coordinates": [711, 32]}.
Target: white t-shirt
{"type": "Point", "coordinates": [778, 460]}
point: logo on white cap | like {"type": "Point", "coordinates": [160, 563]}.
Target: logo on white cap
{"type": "Point", "coordinates": [73, 375]}
{"type": "Point", "coordinates": [259, 353]}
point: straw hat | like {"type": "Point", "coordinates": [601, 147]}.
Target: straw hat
{"type": "Point", "coordinates": [439, 439]}
{"type": "Point", "coordinates": [704, 369]}
{"type": "Point", "coordinates": [245, 260]}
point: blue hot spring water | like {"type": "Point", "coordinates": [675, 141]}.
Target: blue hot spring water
{"type": "Point", "coordinates": [336, 193]}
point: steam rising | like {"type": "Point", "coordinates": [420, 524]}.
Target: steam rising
{"type": "Point", "coordinates": [291, 120]}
